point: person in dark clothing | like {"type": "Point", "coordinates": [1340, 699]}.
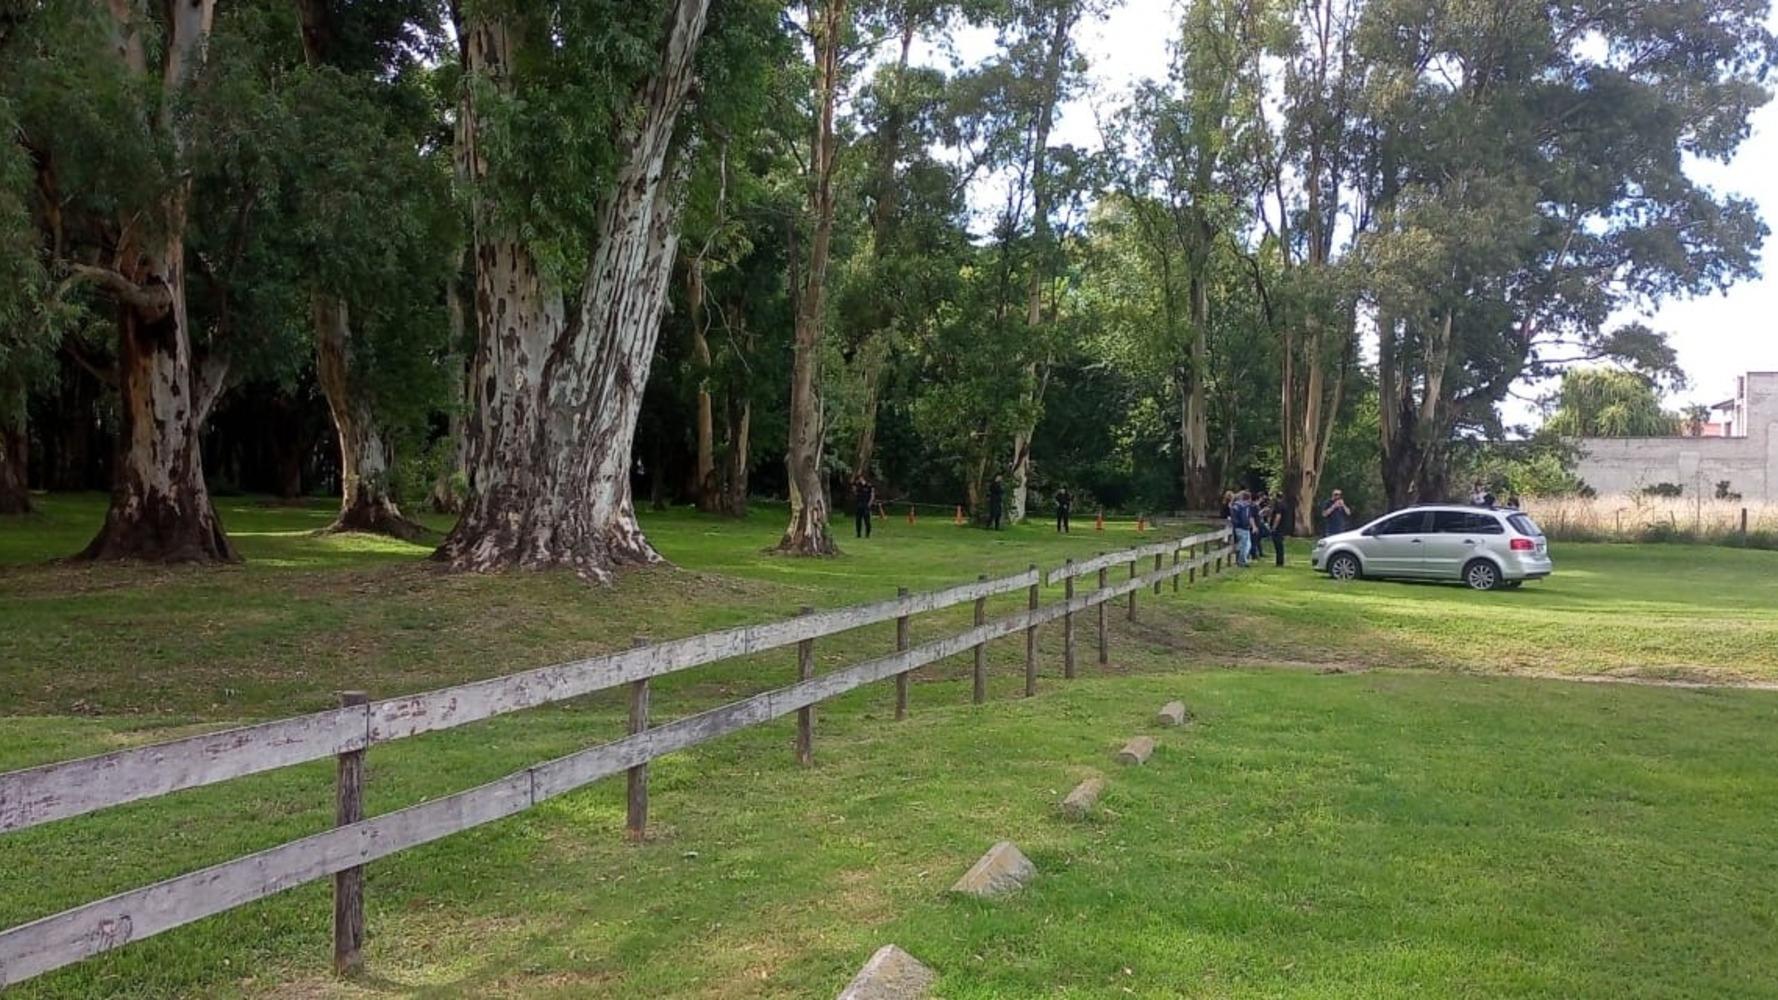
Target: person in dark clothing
{"type": "Point", "coordinates": [1064, 506]}
{"type": "Point", "coordinates": [1283, 522]}
{"type": "Point", "coordinates": [1262, 523]}
{"type": "Point", "coordinates": [996, 502]}
{"type": "Point", "coordinates": [864, 496]}
{"type": "Point", "coordinates": [1336, 515]}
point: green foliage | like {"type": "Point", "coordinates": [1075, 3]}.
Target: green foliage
{"type": "Point", "coordinates": [1606, 402]}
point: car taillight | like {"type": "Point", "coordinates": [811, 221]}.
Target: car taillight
{"type": "Point", "coordinates": [1524, 545]}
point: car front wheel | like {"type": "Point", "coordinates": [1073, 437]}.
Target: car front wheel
{"type": "Point", "coordinates": [1343, 566]}
{"type": "Point", "coordinates": [1481, 575]}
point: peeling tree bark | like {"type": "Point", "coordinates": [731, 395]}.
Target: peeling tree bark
{"type": "Point", "coordinates": [558, 393]}
{"type": "Point", "coordinates": [807, 534]}
{"type": "Point", "coordinates": [366, 462]}
{"type": "Point", "coordinates": [160, 507]}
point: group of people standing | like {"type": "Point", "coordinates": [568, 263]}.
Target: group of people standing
{"type": "Point", "coordinates": [1255, 517]}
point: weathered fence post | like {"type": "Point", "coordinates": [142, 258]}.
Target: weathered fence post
{"type": "Point", "coordinates": [1101, 606]}
{"type": "Point", "coordinates": [1133, 591]}
{"type": "Point", "coordinates": [980, 693]}
{"type": "Point", "coordinates": [805, 717]}
{"type": "Point", "coordinates": [348, 885]}
{"type": "Point", "coordinates": [901, 645]}
{"type": "Point", "coordinates": [1157, 569]}
{"type": "Point", "coordinates": [1068, 622]}
{"type": "Point", "coordinates": [1175, 566]}
{"type": "Point", "coordinates": [1031, 639]}
{"type": "Point", "coordinates": [1191, 553]}
{"type": "Point", "coordinates": [636, 822]}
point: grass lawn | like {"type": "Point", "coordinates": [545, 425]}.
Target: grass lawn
{"type": "Point", "coordinates": [1326, 833]}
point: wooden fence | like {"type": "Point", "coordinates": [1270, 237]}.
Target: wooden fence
{"type": "Point", "coordinates": [70, 788]}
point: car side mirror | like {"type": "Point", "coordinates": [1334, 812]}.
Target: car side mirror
{"type": "Point", "coordinates": [1368, 532]}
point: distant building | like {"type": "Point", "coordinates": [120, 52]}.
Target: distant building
{"type": "Point", "coordinates": [1739, 446]}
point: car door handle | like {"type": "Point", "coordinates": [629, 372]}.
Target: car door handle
{"type": "Point", "coordinates": [1416, 541]}
{"type": "Point", "coordinates": [1469, 541]}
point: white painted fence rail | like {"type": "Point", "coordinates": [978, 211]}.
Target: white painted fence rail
{"type": "Point", "coordinates": [55, 791]}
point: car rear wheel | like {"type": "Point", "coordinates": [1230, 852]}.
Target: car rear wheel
{"type": "Point", "coordinates": [1343, 566]}
{"type": "Point", "coordinates": [1482, 575]}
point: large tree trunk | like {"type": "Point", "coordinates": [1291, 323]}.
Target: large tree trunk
{"type": "Point", "coordinates": [1194, 415]}
{"type": "Point", "coordinates": [366, 464]}
{"type": "Point", "coordinates": [740, 420]}
{"type": "Point", "coordinates": [15, 496]}
{"type": "Point", "coordinates": [708, 491]}
{"type": "Point", "coordinates": [807, 533]}
{"type": "Point", "coordinates": [160, 508]}
{"type": "Point", "coordinates": [870, 374]}
{"type": "Point", "coordinates": [556, 410]}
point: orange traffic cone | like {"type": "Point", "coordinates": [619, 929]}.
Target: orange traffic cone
{"type": "Point", "coordinates": [1099, 525]}
{"type": "Point", "coordinates": [959, 518]}
{"type": "Point", "coordinates": [910, 513]}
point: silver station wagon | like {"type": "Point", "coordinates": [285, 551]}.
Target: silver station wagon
{"type": "Point", "coordinates": [1484, 547]}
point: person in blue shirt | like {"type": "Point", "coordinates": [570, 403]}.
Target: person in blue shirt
{"type": "Point", "coordinates": [1241, 520]}
{"type": "Point", "coordinates": [1336, 516]}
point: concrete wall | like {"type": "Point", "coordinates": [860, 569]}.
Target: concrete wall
{"type": "Point", "coordinates": [1750, 463]}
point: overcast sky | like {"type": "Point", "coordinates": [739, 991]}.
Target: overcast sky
{"type": "Point", "coordinates": [1717, 337]}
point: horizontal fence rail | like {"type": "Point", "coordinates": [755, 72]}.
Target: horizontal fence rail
{"type": "Point", "coordinates": [57, 791]}
{"type": "Point", "coordinates": [54, 791]}
{"type": "Point", "coordinates": [1109, 559]}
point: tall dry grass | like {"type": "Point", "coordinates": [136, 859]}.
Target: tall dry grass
{"type": "Point", "coordinates": [1637, 518]}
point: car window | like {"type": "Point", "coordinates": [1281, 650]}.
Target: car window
{"type": "Point", "coordinates": [1411, 523]}
{"type": "Point", "coordinates": [1465, 522]}
{"type": "Point", "coordinates": [1523, 524]}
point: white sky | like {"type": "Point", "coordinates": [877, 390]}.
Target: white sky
{"type": "Point", "coordinates": [1717, 337]}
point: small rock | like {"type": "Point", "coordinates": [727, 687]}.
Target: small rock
{"type": "Point", "coordinates": [1084, 797]}
{"type": "Point", "coordinates": [1173, 713]}
{"type": "Point", "coordinates": [1004, 869]}
{"type": "Point", "coordinates": [1136, 751]}
{"type": "Point", "coordinates": [891, 974]}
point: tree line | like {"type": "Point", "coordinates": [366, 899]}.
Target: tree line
{"type": "Point", "coordinates": [516, 261]}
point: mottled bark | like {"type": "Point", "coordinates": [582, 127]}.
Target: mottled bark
{"type": "Point", "coordinates": [807, 533]}
{"type": "Point", "coordinates": [367, 502]}
{"type": "Point", "coordinates": [559, 393]}
{"type": "Point", "coordinates": [160, 508]}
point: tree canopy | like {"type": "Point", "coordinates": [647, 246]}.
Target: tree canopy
{"type": "Point", "coordinates": [532, 262]}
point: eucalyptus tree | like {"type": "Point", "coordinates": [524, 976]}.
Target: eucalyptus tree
{"type": "Point", "coordinates": [1179, 158]}
{"type": "Point", "coordinates": [574, 148]}
{"type": "Point", "coordinates": [1038, 68]}
{"type": "Point", "coordinates": [114, 113]}
{"type": "Point", "coordinates": [1526, 164]}
{"type": "Point", "coordinates": [375, 232]}
{"type": "Point", "coordinates": [828, 28]}
{"type": "Point", "coordinates": [1308, 157]}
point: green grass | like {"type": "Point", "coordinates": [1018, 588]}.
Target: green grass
{"type": "Point", "coordinates": [1318, 832]}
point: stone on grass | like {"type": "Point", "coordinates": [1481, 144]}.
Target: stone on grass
{"type": "Point", "coordinates": [1004, 869]}
{"type": "Point", "coordinates": [891, 974]}
{"type": "Point", "coordinates": [1172, 714]}
{"type": "Point", "coordinates": [1084, 797]}
{"type": "Point", "coordinates": [1136, 751]}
